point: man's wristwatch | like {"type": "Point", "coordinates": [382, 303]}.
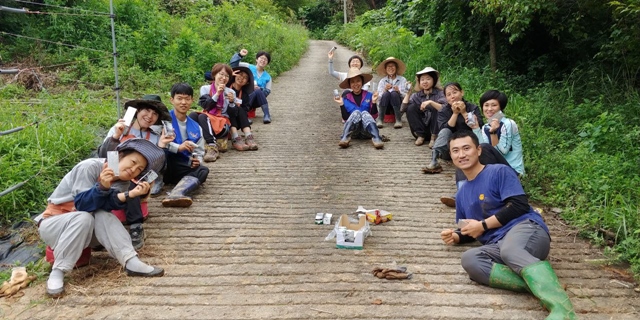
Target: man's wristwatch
{"type": "Point", "coordinates": [484, 225]}
{"type": "Point", "coordinates": [126, 198]}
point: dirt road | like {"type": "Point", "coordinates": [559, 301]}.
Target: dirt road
{"type": "Point", "coordinates": [249, 249]}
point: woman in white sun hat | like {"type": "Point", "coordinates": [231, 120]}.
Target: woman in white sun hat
{"type": "Point", "coordinates": [422, 107]}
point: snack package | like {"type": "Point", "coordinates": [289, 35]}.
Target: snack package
{"type": "Point", "coordinates": [376, 216]}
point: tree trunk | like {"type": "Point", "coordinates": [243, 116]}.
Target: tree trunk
{"type": "Point", "coordinates": [492, 48]}
{"type": "Point", "coordinates": [351, 11]}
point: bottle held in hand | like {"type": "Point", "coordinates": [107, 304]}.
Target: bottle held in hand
{"type": "Point", "coordinates": [169, 131]}
{"type": "Point", "coordinates": [470, 120]}
{"type": "Point", "coordinates": [336, 94]}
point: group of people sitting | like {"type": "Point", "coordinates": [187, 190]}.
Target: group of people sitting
{"type": "Point", "coordinates": [491, 205]}
{"type": "Point", "coordinates": [93, 202]}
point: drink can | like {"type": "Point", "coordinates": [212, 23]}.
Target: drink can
{"type": "Point", "coordinates": [336, 93]}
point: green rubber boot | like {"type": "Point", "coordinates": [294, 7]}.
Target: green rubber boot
{"type": "Point", "coordinates": [544, 284]}
{"type": "Point", "coordinates": [502, 277]}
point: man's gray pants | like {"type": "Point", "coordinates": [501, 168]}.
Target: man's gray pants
{"type": "Point", "coordinates": [69, 233]}
{"type": "Point", "coordinates": [526, 243]}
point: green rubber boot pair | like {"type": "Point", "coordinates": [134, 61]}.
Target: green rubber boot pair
{"type": "Point", "coordinates": [539, 279]}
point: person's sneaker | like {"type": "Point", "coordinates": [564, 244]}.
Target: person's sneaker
{"type": "Point", "coordinates": [397, 125]}
{"type": "Point", "coordinates": [448, 201]}
{"type": "Point", "coordinates": [137, 236]}
{"type": "Point", "coordinates": [419, 141]}
{"type": "Point", "coordinates": [238, 144]}
{"type": "Point", "coordinates": [223, 144]}
{"type": "Point", "coordinates": [211, 152]}
{"type": "Point", "coordinates": [251, 142]}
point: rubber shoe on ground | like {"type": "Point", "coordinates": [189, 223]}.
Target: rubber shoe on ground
{"type": "Point", "coordinates": [502, 277]}
{"type": "Point", "coordinates": [251, 142]}
{"type": "Point", "coordinates": [433, 166]}
{"type": "Point", "coordinates": [432, 170]}
{"type": "Point", "coordinates": [344, 143]}
{"type": "Point", "coordinates": [379, 123]}
{"type": "Point", "coordinates": [156, 272]}
{"type": "Point", "coordinates": [137, 236]}
{"type": "Point", "coordinates": [157, 186]}
{"type": "Point", "coordinates": [397, 125]}
{"type": "Point", "coordinates": [238, 144]}
{"type": "Point", "coordinates": [544, 284]}
{"type": "Point", "coordinates": [211, 152]}
{"type": "Point", "coordinates": [448, 201]}
{"type": "Point", "coordinates": [433, 140]}
{"type": "Point", "coordinates": [179, 195]}
{"type": "Point", "coordinates": [419, 141]}
{"type": "Point", "coordinates": [223, 145]}
{"type": "Point", "coordinates": [377, 143]}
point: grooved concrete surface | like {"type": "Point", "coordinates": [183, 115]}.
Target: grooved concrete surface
{"type": "Point", "coordinates": [249, 249]}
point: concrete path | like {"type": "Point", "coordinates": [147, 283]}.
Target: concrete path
{"type": "Point", "coordinates": [249, 249]}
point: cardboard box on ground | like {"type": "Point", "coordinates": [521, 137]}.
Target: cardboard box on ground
{"type": "Point", "coordinates": [348, 234]}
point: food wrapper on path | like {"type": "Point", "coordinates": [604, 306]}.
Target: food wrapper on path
{"type": "Point", "coordinates": [376, 216]}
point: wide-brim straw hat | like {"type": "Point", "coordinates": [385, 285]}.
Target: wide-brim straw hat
{"type": "Point", "coordinates": [154, 155]}
{"type": "Point", "coordinates": [424, 71]}
{"type": "Point", "coordinates": [381, 70]}
{"type": "Point", "coordinates": [153, 102]}
{"type": "Point", "coordinates": [355, 72]}
{"type": "Point", "coordinates": [247, 88]}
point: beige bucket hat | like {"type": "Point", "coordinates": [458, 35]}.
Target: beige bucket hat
{"type": "Point", "coordinates": [381, 70]}
{"type": "Point", "coordinates": [354, 72]}
{"type": "Point", "coordinates": [435, 74]}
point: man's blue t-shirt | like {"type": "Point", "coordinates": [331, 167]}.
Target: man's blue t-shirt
{"type": "Point", "coordinates": [485, 195]}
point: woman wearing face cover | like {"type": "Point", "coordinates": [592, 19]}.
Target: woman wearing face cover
{"type": "Point", "coordinates": [354, 62]}
{"type": "Point", "coordinates": [391, 89]}
{"type": "Point", "coordinates": [422, 107]}
{"type": "Point", "coordinates": [357, 106]}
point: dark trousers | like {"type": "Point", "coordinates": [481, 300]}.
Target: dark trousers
{"type": "Point", "coordinates": [421, 122]}
{"type": "Point", "coordinates": [390, 99]}
{"type": "Point", "coordinates": [257, 99]}
{"type": "Point", "coordinates": [133, 211]}
{"type": "Point", "coordinates": [207, 132]}
{"type": "Point", "coordinates": [178, 168]}
{"type": "Point", "coordinates": [238, 117]}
